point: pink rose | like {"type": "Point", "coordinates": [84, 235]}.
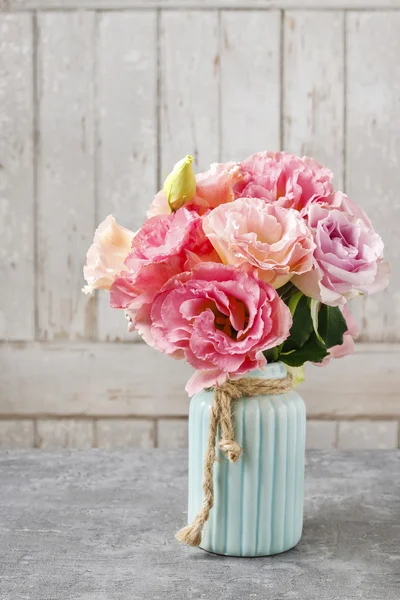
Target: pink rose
{"type": "Point", "coordinates": [347, 258]}
{"type": "Point", "coordinates": [285, 179]}
{"type": "Point", "coordinates": [347, 346]}
{"type": "Point", "coordinates": [135, 291]}
{"type": "Point", "coordinates": [106, 256]}
{"type": "Point", "coordinates": [274, 239]}
{"type": "Point", "coordinates": [165, 246]}
{"type": "Point", "coordinates": [219, 318]}
{"type": "Point", "coordinates": [214, 187]}
{"type": "Point", "coordinates": [176, 234]}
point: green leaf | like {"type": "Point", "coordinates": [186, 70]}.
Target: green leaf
{"type": "Point", "coordinates": [272, 354]}
{"type": "Point", "coordinates": [314, 309]}
{"type": "Point", "coordinates": [286, 290]}
{"type": "Point", "coordinates": [331, 325]}
{"type": "Point", "coordinates": [302, 325]}
{"type": "Point", "coordinates": [312, 350]}
{"type": "Point", "coordinates": [293, 301]}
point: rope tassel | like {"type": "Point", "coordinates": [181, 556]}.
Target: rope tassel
{"type": "Point", "coordinates": [221, 415]}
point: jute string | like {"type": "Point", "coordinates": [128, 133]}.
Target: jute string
{"type": "Point", "coordinates": [221, 415]}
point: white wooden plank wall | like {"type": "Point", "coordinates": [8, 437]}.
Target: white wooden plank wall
{"type": "Point", "coordinates": [189, 46]}
{"type": "Point", "coordinates": [126, 170]}
{"type": "Point", "coordinates": [97, 105]}
{"type": "Point", "coordinates": [66, 174]}
{"type": "Point", "coordinates": [313, 87]}
{"type": "Point", "coordinates": [21, 5]}
{"type": "Point", "coordinates": [250, 48]}
{"type": "Point", "coordinates": [373, 149]}
{"type": "Point", "coordinates": [117, 97]}
{"type": "Point", "coordinates": [17, 223]}
{"type": "Point", "coordinates": [104, 384]}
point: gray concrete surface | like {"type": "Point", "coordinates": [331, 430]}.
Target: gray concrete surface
{"type": "Point", "coordinates": [96, 525]}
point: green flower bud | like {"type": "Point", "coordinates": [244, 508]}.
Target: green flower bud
{"type": "Point", "coordinates": [180, 185]}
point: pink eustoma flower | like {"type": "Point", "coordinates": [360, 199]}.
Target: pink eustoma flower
{"type": "Point", "coordinates": [165, 246]}
{"type": "Point", "coordinates": [274, 239]}
{"type": "Point", "coordinates": [348, 259]}
{"type": "Point", "coordinates": [285, 179]}
{"type": "Point", "coordinates": [135, 291]}
{"type": "Point", "coordinates": [176, 234]}
{"type": "Point", "coordinates": [219, 318]}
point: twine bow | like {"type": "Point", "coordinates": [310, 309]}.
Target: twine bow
{"type": "Point", "coordinates": [221, 415]}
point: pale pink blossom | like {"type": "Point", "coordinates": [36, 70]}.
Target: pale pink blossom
{"type": "Point", "coordinates": [219, 318]}
{"type": "Point", "coordinates": [106, 256]}
{"type": "Point", "coordinates": [285, 179]}
{"type": "Point", "coordinates": [348, 259]}
{"type": "Point", "coordinates": [274, 239]}
{"type": "Point", "coordinates": [214, 187]}
{"type": "Point", "coordinates": [344, 204]}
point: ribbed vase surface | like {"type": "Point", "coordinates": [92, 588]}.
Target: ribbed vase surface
{"type": "Point", "coordinates": [258, 501]}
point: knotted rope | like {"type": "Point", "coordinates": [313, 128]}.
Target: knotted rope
{"type": "Point", "coordinates": [221, 415]}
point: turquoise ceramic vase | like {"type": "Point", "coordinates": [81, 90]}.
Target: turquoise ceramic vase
{"type": "Point", "coordinates": [258, 501]}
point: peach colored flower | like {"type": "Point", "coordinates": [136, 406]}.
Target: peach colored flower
{"type": "Point", "coordinates": [274, 239]}
{"type": "Point", "coordinates": [106, 256]}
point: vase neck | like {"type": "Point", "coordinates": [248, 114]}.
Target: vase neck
{"type": "Point", "coordinates": [276, 370]}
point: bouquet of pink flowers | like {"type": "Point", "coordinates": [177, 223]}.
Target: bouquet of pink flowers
{"type": "Point", "coordinates": [247, 263]}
